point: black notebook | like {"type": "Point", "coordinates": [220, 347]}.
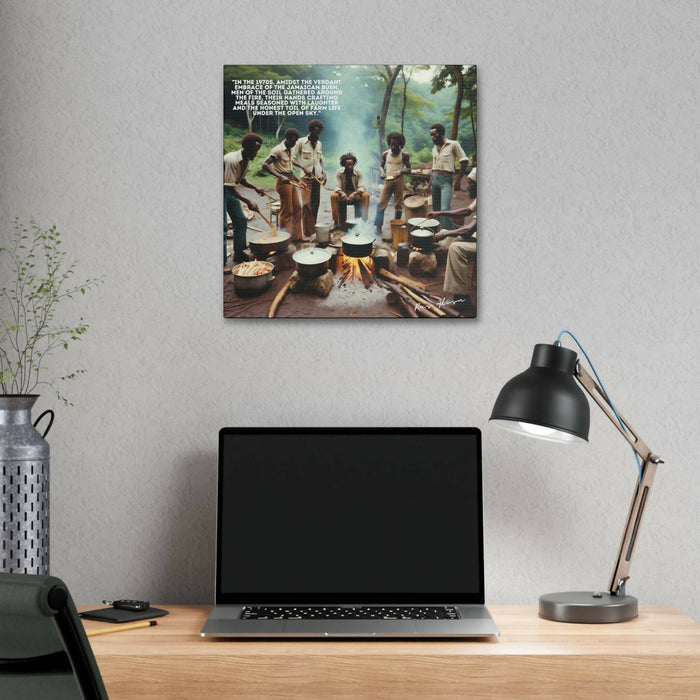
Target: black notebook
{"type": "Point", "coordinates": [118, 615]}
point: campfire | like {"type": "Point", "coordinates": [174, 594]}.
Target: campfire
{"type": "Point", "coordinates": [356, 269]}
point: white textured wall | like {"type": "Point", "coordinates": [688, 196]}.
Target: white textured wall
{"type": "Point", "coordinates": [588, 143]}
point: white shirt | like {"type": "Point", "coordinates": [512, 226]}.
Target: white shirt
{"type": "Point", "coordinates": [448, 155]}
{"type": "Point", "coordinates": [234, 168]}
{"type": "Point", "coordinates": [309, 156]}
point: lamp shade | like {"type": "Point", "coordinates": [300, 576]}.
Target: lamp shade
{"type": "Point", "coordinates": [545, 400]}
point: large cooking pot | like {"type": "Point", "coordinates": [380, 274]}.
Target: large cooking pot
{"type": "Point", "coordinates": [266, 244]}
{"type": "Point", "coordinates": [421, 238]}
{"type": "Point", "coordinates": [250, 285]}
{"type": "Point", "coordinates": [357, 245]}
{"type": "Point", "coordinates": [423, 222]}
{"type": "Point", "coordinates": [311, 262]}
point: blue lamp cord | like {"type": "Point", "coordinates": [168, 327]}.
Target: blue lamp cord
{"type": "Point", "coordinates": [607, 398]}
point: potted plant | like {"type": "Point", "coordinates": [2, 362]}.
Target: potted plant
{"type": "Point", "coordinates": [40, 281]}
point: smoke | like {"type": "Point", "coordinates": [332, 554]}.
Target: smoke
{"type": "Point", "coordinates": [352, 128]}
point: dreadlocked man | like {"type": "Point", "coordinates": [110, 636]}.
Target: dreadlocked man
{"type": "Point", "coordinates": [349, 189]}
{"type": "Point", "coordinates": [395, 164]}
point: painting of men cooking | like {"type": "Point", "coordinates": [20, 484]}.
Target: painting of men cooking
{"type": "Point", "coordinates": [350, 191]}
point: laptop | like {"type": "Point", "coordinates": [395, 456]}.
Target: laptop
{"type": "Point", "coordinates": [361, 533]}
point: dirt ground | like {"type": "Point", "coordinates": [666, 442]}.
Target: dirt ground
{"type": "Point", "coordinates": [349, 299]}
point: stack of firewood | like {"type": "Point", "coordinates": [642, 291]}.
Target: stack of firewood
{"type": "Point", "coordinates": [413, 298]}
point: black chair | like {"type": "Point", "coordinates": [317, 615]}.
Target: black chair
{"type": "Point", "coordinates": [44, 652]}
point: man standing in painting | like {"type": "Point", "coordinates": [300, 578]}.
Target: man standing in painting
{"type": "Point", "coordinates": [235, 171]}
{"type": "Point", "coordinates": [308, 156]}
{"type": "Point", "coordinates": [349, 190]}
{"type": "Point", "coordinates": [279, 164]}
{"type": "Point", "coordinates": [395, 164]}
{"type": "Point", "coordinates": [446, 153]}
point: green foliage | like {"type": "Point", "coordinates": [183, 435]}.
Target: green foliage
{"type": "Point", "coordinates": [29, 331]}
{"type": "Point", "coordinates": [429, 98]}
{"type": "Point", "coordinates": [425, 155]}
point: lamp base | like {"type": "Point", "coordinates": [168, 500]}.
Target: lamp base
{"type": "Point", "coordinates": [587, 607]}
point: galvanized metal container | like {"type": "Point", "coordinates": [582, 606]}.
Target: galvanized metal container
{"type": "Point", "coordinates": [24, 478]}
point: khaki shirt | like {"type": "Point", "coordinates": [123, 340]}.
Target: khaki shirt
{"type": "Point", "coordinates": [309, 156]}
{"type": "Point", "coordinates": [448, 155]}
{"type": "Point", "coordinates": [235, 169]}
{"type": "Point", "coordinates": [282, 159]}
{"type": "Point", "coordinates": [358, 180]}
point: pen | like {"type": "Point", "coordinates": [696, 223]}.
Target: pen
{"type": "Point", "coordinates": [122, 628]}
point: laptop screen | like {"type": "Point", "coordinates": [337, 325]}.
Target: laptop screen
{"type": "Point", "coordinates": [349, 515]}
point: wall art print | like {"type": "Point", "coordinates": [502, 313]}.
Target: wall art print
{"type": "Point", "coordinates": [350, 191]}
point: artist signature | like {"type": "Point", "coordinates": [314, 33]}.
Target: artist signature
{"type": "Point", "coordinates": [439, 304]}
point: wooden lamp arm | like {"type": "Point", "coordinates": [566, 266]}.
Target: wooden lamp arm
{"type": "Point", "coordinates": [639, 499]}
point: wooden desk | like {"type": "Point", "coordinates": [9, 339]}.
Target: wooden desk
{"type": "Point", "coordinates": [656, 655]}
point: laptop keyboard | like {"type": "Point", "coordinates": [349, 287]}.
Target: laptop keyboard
{"type": "Point", "coordinates": [313, 612]}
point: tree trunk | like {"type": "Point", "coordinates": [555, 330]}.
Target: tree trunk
{"type": "Point", "coordinates": [459, 81]}
{"type": "Point", "coordinates": [471, 114]}
{"type": "Point", "coordinates": [250, 116]}
{"type": "Point", "coordinates": [391, 79]}
{"type": "Point", "coordinates": [280, 122]}
{"type": "Point", "coordinates": [403, 106]}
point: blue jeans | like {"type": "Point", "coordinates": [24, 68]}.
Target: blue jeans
{"type": "Point", "coordinates": [232, 206]}
{"type": "Point", "coordinates": [441, 191]}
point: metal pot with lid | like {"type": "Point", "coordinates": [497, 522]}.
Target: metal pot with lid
{"type": "Point", "coordinates": [423, 222]}
{"type": "Point", "coordinates": [422, 238]}
{"type": "Point", "coordinates": [311, 262]}
{"type": "Point", "coordinates": [357, 244]}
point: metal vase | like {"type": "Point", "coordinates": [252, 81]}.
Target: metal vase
{"type": "Point", "coordinates": [24, 478]}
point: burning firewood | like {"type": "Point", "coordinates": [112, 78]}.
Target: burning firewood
{"type": "Point", "coordinates": [365, 273]}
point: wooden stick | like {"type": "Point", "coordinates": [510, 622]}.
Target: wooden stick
{"type": "Point", "coordinates": [451, 311]}
{"type": "Point", "coordinates": [424, 302]}
{"type": "Point", "coordinates": [267, 221]}
{"type": "Point", "coordinates": [365, 273]}
{"type": "Point", "coordinates": [320, 183]}
{"type": "Point", "coordinates": [278, 299]}
{"type": "Point", "coordinates": [403, 280]}
{"type": "Point", "coordinates": [406, 303]}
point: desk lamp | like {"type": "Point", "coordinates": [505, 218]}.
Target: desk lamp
{"type": "Point", "coordinates": [546, 402]}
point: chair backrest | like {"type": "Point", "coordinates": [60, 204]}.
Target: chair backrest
{"type": "Point", "coordinates": [44, 651]}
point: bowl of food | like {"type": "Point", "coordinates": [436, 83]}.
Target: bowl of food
{"type": "Point", "coordinates": [251, 278]}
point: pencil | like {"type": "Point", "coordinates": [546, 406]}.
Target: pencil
{"type": "Point", "coordinates": [122, 628]}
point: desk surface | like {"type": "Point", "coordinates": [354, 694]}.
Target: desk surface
{"type": "Point", "coordinates": [655, 655]}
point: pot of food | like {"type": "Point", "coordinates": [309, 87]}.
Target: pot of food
{"type": "Point", "coordinates": [251, 278]}
{"type": "Point", "coordinates": [422, 222]}
{"type": "Point", "coordinates": [357, 245]}
{"type": "Point", "coordinates": [421, 238]}
{"type": "Point", "coordinates": [268, 243]}
{"type": "Point", "coordinates": [311, 262]}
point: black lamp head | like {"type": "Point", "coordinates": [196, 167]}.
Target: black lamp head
{"type": "Point", "coordinates": [545, 400]}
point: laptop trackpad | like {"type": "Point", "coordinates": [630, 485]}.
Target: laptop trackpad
{"type": "Point", "coordinates": [350, 628]}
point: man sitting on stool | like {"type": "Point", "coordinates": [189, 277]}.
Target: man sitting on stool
{"type": "Point", "coordinates": [349, 189]}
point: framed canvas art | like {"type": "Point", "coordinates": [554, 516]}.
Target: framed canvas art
{"type": "Point", "coordinates": [350, 191]}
